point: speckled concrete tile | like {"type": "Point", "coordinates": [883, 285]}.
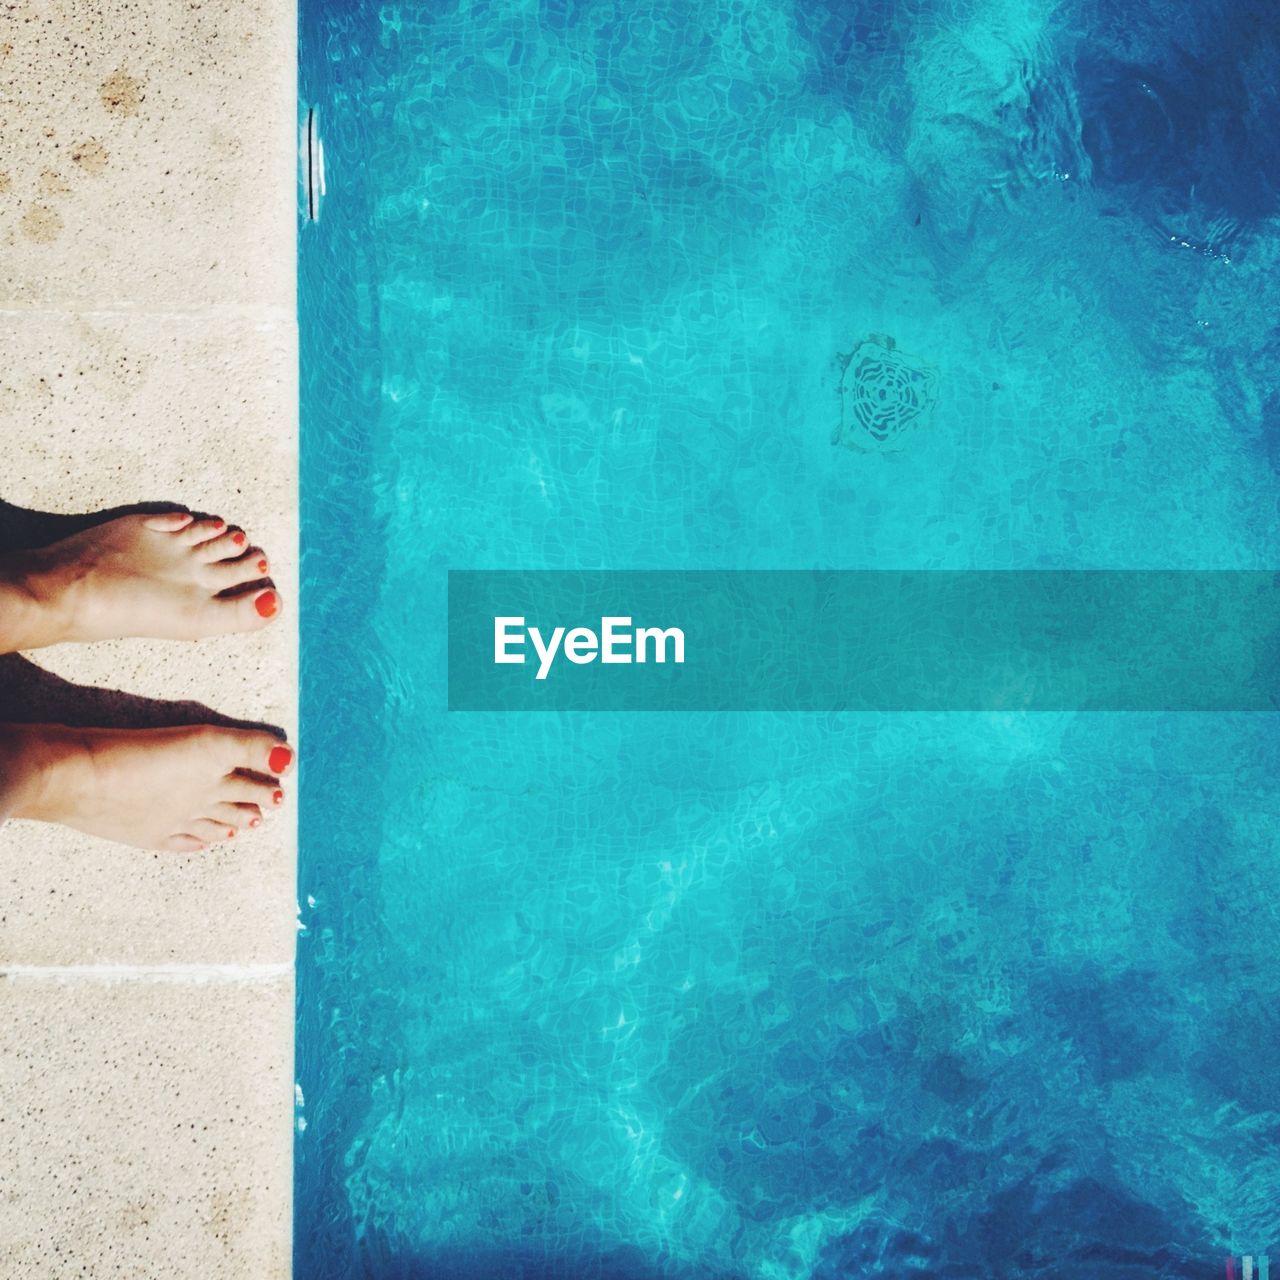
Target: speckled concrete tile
{"type": "Point", "coordinates": [113, 408]}
{"type": "Point", "coordinates": [70, 899]}
{"type": "Point", "coordinates": [139, 138]}
{"type": "Point", "coordinates": [147, 268]}
{"type": "Point", "coordinates": [116, 409]}
{"type": "Point", "coordinates": [145, 1129]}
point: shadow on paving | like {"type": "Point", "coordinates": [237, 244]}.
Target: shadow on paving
{"type": "Point", "coordinates": [31, 695]}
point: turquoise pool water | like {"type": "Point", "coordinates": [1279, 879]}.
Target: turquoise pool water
{"type": "Point", "coordinates": [782, 996]}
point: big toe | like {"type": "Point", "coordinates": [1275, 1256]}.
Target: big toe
{"type": "Point", "coordinates": [248, 611]}
{"type": "Point", "coordinates": [254, 751]}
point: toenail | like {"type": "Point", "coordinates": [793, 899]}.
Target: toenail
{"type": "Point", "coordinates": [231, 833]}
{"type": "Point", "coordinates": [267, 604]}
{"type": "Point", "coordinates": [262, 566]}
{"type": "Point", "coordinates": [279, 759]}
{"type": "Point", "coordinates": [255, 822]}
{"type": "Point", "coordinates": [278, 798]}
{"type": "Point", "coordinates": [239, 539]}
{"type": "Point", "coordinates": [219, 524]}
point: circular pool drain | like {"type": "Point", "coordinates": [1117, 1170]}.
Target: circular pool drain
{"type": "Point", "coordinates": [884, 393]}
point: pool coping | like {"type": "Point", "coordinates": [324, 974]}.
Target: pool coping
{"type": "Point", "coordinates": [148, 206]}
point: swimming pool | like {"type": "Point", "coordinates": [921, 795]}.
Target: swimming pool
{"type": "Point", "coordinates": [769, 995]}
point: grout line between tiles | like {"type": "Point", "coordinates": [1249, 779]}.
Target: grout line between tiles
{"type": "Point", "coordinates": [263, 311]}
{"type": "Point", "coordinates": [194, 973]}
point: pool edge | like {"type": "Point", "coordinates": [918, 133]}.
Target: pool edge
{"type": "Point", "coordinates": [147, 303]}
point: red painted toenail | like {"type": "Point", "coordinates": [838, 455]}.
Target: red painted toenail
{"type": "Point", "coordinates": [262, 566]}
{"type": "Point", "coordinates": [278, 798]}
{"type": "Point", "coordinates": [239, 539]}
{"type": "Point", "coordinates": [279, 759]}
{"type": "Point", "coordinates": [219, 524]}
{"type": "Point", "coordinates": [231, 833]}
{"type": "Point", "coordinates": [267, 604]}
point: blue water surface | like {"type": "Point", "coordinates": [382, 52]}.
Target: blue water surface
{"type": "Point", "coordinates": [769, 996]}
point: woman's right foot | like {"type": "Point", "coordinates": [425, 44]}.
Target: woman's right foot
{"type": "Point", "coordinates": [169, 577]}
{"type": "Point", "coordinates": [177, 789]}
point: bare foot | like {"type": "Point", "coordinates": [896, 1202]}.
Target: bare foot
{"type": "Point", "coordinates": [171, 577]}
{"type": "Point", "coordinates": [177, 789]}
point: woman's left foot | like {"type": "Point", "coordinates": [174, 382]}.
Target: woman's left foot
{"type": "Point", "coordinates": [181, 789]}
{"type": "Point", "coordinates": [169, 577]}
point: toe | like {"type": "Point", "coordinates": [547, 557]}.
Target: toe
{"type": "Point", "coordinates": [184, 844]}
{"type": "Point", "coordinates": [252, 566]}
{"type": "Point", "coordinates": [226, 546]}
{"type": "Point", "coordinates": [253, 792]}
{"type": "Point", "coordinates": [238, 816]}
{"type": "Point", "coordinates": [280, 760]}
{"type": "Point", "coordinates": [249, 610]}
{"type": "Point", "coordinates": [169, 521]}
{"type": "Point", "coordinates": [260, 753]}
{"type": "Point", "coordinates": [211, 831]}
{"type": "Point", "coordinates": [201, 531]}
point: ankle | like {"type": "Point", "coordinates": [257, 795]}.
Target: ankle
{"type": "Point", "coordinates": [35, 603]}
{"type": "Point", "coordinates": [19, 770]}
{"type": "Point", "coordinates": [30, 776]}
